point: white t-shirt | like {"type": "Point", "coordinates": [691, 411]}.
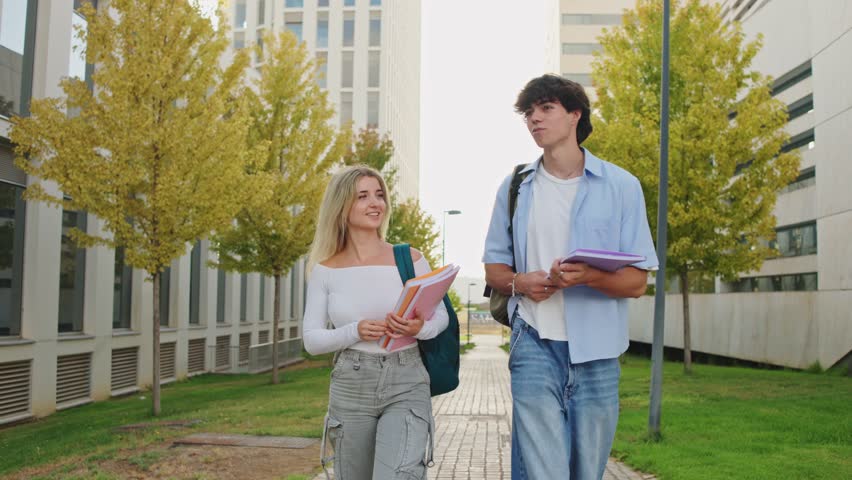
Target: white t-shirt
{"type": "Point", "coordinates": [345, 296]}
{"type": "Point", "coordinates": [547, 238]}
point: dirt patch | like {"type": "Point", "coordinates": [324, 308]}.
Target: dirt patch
{"type": "Point", "coordinates": [205, 462]}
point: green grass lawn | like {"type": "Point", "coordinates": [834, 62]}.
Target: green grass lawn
{"type": "Point", "coordinates": [733, 422]}
{"type": "Point", "coordinates": [719, 423]}
{"type": "Point", "coordinates": [247, 404]}
{"type": "Point", "coordinates": [466, 347]}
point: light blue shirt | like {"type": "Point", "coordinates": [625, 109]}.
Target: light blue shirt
{"type": "Point", "coordinates": [608, 214]}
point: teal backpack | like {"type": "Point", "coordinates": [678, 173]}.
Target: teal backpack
{"type": "Point", "coordinates": [440, 354]}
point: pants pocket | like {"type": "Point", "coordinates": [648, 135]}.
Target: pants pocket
{"type": "Point", "coordinates": [416, 446]}
{"type": "Point", "coordinates": [516, 338]}
{"type": "Point", "coordinates": [333, 432]}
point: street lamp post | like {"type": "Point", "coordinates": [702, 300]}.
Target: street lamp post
{"type": "Point", "coordinates": [444, 234]}
{"type": "Point", "coordinates": [468, 310]}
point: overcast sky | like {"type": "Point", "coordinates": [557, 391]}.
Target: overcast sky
{"type": "Point", "coordinates": [476, 57]}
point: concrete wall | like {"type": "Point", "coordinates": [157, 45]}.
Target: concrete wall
{"type": "Point", "coordinates": [793, 329]}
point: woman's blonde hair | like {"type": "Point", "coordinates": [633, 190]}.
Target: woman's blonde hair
{"type": "Point", "coordinates": [332, 222]}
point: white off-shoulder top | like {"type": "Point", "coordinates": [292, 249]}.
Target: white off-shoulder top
{"type": "Point", "coordinates": [338, 298]}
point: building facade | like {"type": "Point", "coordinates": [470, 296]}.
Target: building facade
{"type": "Point", "coordinates": [581, 23]}
{"type": "Point", "coordinates": [370, 50]}
{"type": "Point", "coordinates": [75, 324]}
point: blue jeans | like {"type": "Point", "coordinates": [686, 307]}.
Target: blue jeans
{"type": "Point", "coordinates": [563, 415]}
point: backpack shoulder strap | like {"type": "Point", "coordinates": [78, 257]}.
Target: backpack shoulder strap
{"type": "Point", "coordinates": [514, 188]}
{"type": "Point", "coordinates": [402, 255]}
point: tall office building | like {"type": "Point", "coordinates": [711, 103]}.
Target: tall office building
{"type": "Point", "coordinates": [795, 310]}
{"type": "Point", "coordinates": [581, 23]}
{"type": "Point", "coordinates": [371, 52]}
{"type": "Point", "coordinates": [75, 324]}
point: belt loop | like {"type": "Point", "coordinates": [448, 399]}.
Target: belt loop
{"type": "Point", "coordinates": [357, 364]}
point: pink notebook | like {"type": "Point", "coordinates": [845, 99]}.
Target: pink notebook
{"type": "Point", "coordinates": [429, 294]}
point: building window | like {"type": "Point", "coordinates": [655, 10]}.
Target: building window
{"type": "Point", "coordinates": [375, 29]}
{"type": "Point", "coordinates": [261, 311]}
{"type": "Point", "coordinates": [261, 12]}
{"type": "Point", "coordinates": [322, 3]}
{"type": "Point", "coordinates": [584, 79]}
{"type": "Point", "coordinates": [805, 179]}
{"type": "Point", "coordinates": [294, 290]}
{"type": "Point", "coordinates": [348, 3]}
{"type": "Point", "coordinates": [294, 3]}
{"type": "Point", "coordinates": [349, 29]}
{"type": "Point", "coordinates": [122, 291]}
{"type": "Point", "coordinates": [322, 68]}
{"type": "Point", "coordinates": [792, 77]}
{"type": "Point", "coordinates": [243, 298]}
{"type": "Point", "coordinates": [239, 40]}
{"type": "Point", "coordinates": [375, 3]}
{"type": "Point", "coordinates": [585, 19]}
{"type": "Point", "coordinates": [797, 282]}
{"type": "Point", "coordinates": [373, 69]}
{"type": "Point", "coordinates": [17, 28]}
{"type": "Point", "coordinates": [345, 108]}
{"type": "Point", "coordinates": [195, 284]}
{"type": "Point", "coordinates": [11, 258]}
{"type": "Point", "coordinates": [220, 296]}
{"type": "Point", "coordinates": [322, 30]}
{"type": "Point", "coordinates": [802, 106]}
{"type": "Point", "coordinates": [797, 240]}
{"type": "Point", "coordinates": [240, 14]}
{"type": "Point", "coordinates": [293, 22]}
{"type": "Point", "coordinates": [373, 109]}
{"type": "Point", "coordinates": [165, 290]}
{"type": "Point", "coordinates": [805, 139]}
{"type": "Point", "coordinates": [347, 69]}
{"type": "Point", "coordinates": [580, 48]}
{"type": "Point", "coordinates": [72, 274]}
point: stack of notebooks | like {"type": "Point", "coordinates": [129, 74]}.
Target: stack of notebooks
{"type": "Point", "coordinates": [420, 294]}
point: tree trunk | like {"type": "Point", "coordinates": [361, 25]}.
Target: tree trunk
{"type": "Point", "coordinates": [276, 318]}
{"type": "Point", "coordinates": [155, 389]}
{"type": "Point", "coordinates": [687, 345]}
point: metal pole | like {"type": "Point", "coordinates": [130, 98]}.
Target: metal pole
{"type": "Point", "coordinates": [468, 312]}
{"type": "Point", "coordinates": [662, 225]}
{"type": "Point", "coordinates": [444, 239]}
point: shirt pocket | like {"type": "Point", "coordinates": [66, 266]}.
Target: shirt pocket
{"type": "Point", "coordinates": [600, 233]}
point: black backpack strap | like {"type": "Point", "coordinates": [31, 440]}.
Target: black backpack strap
{"type": "Point", "coordinates": [514, 189]}
{"type": "Point", "coordinates": [404, 263]}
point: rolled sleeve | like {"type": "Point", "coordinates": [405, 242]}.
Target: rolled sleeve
{"type": "Point", "coordinates": [635, 231]}
{"type": "Point", "coordinates": [498, 241]}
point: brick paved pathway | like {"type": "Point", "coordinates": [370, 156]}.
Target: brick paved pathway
{"type": "Point", "coordinates": [473, 423]}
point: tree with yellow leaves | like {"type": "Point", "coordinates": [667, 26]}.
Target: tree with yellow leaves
{"type": "Point", "coordinates": [290, 120]}
{"type": "Point", "coordinates": [727, 154]}
{"type": "Point", "coordinates": [157, 149]}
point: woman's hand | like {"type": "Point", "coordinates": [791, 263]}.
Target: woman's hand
{"type": "Point", "coordinates": [404, 327]}
{"type": "Point", "coordinates": [371, 329]}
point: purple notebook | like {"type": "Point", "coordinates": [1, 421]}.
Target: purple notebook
{"type": "Point", "coordinates": [603, 259]}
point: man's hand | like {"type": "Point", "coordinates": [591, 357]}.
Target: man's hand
{"type": "Point", "coordinates": [566, 275]}
{"type": "Point", "coordinates": [535, 285]}
{"type": "Point", "coordinates": [404, 327]}
{"type": "Point", "coordinates": [628, 282]}
{"type": "Point", "coordinates": [371, 329]}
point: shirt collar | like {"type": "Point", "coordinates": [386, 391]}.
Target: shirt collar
{"type": "Point", "coordinates": [593, 165]}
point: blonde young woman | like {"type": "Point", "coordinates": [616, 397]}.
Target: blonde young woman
{"type": "Point", "coordinates": [379, 420]}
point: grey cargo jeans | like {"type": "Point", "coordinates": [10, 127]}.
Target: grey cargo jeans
{"type": "Point", "coordinates": [379, 420]}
